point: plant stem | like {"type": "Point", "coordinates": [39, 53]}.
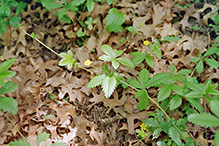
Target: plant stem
{"type": "Point", "coordinates": [13, 125]}
{"type": "Point", "coordinates": [39, 42]}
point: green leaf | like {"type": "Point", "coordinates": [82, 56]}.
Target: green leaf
{"type": "Point", "coordinates": [195, 102]}
{"type": "Point", "coordinates": [115, 63]}
{"type": "Point", "coordinates": [114, 20]}
{"type": "Point", "coordinates": [143, 77]}
{"type": "Point", "coordinates": [21, 5]}
{"type": "Point", "coordinates": [174, 134]}
{"type": "Point", "coordinates": [204, 119]}
{"type": "Point", "coordinates": [51, 4]}
{"type": "Point", "coordinates": [164, 92]}
{"type": "Point", "coordinates": [183, 72]}
{"type": "Point", "coordinates": [110, 2]}
{"type": "Point", "coordinates": [177, 89]}
{"type": "Point", "coordinates": [161, 143]}
{"type": "Point", "coordinates": [216, 138]}
{"type": "Point", "coordinates": [125, 61]}
{"type": "Point", "coordinates": [194, 86]}
{"type": "Point", "coordinates": [171, 38]}
{"type": "Point", "coordinates": [7, 74]}
{"type": "Point", "coordinates": [122, 40]}
{"type": "Point", "coordinates": [214, 107]}
{"type": "Point", "coordinates": [96, 81]}
{"type": "Point", "coordinates": [144, 100]}
{"type": "Point", "coordinates": [14, 21]}
{"type": "Point", "coordinates": [80, 33]}
{"type": "Point", "coordinates": [106, 70]}
{"type": "Point", "coordinates": [200, 66]}
{"type": "Point", "coordinates": [138, 57]}
{"type": "Point", "coordinates": [175, 102]}
{"type": "Point", "coordinates": [194, 94]}
{"type": "Point", "coordinates": [195, 59]}
{"type": "Point", "coordinates": [108, 85]}
{"type": "Point", "coordinates": [19, 143]}
{"type": "Point", "coordinates": [132, 29]}
{"type": "Point", "coordinates": [173, 69]}
{"type": "Point", "coordinates": [90, 5]}
{"type": "Point", "coordinates": [158, 78]}
{"type": "Point", "coordinates": [135, 83]}
{"type": "Point", "coordinates": [58, 144]}
{"type": "Point", "coordinates": [4, 11]}
{"type": "Point", "coordinates": [3, 27]}
{"type": "Point", "coordinates": [108, 50]}
{"type": "Point", "coordinates": [9, 86]}
{"type": "Point", "coordinates": [8, 104]}
{"type": "Point", "coordinates": [42, 137]}
{"type": "Point", "coordinates": [149, 60]}
{"type": "Point", "coordinates": [213, 63]}
{"type": "Point", "coordinates": [76, 2]}
{"type": "Point", "coordinates": [6, 64]}
{"type": "Point", "coordinates": [67, 59]}
{"type": "Point", "coordinates": [210, 51]}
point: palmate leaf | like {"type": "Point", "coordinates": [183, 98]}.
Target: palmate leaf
{"type": "Point", "coordinates": [19, 143]}
{"type": "Point", "coordinates": [174, 134]}
{"type": "Point", "coordinates": [42, 137]}
{"type": "Point", "coordinates": [204, 119]}
{"type": "Point", "coordinates": [158, 78]}
{"type": "Point", "coordinates": [96, 81]}
{"type": "Point", "coordinates": [8, 104]}
{"type": "Point", "coordinates": [67, 59]}
{"type": "Point", "coordinates": [109, 85]}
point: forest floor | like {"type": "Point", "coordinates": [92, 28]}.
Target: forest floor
{"type": "Point", "coordinates": [56, 100]}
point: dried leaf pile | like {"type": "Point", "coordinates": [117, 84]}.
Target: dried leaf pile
{"type": "Point", "coordinates": [87, 117]}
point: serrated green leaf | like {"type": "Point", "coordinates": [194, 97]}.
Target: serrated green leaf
{"type": "Point", "coordinates": [90, 5]}
{"type": "Point", "coordinates": [108, 50]}
{"type": "Point", "coordinates": [114, 20]}
{"type": "Point", "coordinates": [42, 137]}
{"type": "Point", "coordinates": [164, 92]}
{"type": "Point", "coordinates": [195, 59]}
{"type": "Point", "coordinates": [216, 138]}
{"type": "Point", "coordinates": [144, 100]}
{"type": "Point", "coordinates": [204, 119]}
{"type": "Point", "coordinates": [143, 77]}
{"type": "Point", "coordinates": [200, 66]}
{"type": "Point", "coordinates": [194, 86]}
{"type": "Point", "coordinates": [109, 85]}
{"type": "Point", "coordinates": [19, 143]}
{"type": "Point", "coordinates": [214, 107]}
{"type": "Point", "coordinates": [6, 64]}
{"type": "Point", "coordinates": [125, 61]}
{"type": "Point", "coordinates": [9, 86]}
{"type": "Point", "coordinates": [96, 81]}
{"type": "Point", "coordinates": [183, 72]}
{"type": "Point", "coordinates": [135, 83]}
{"type": "Point", "coordinates": [174, 134]}
{"type": "Point", "coordinates": [115, 63]}
{"type": "Point", "coordinates": [195, 102]}
{"type": "Point", "coordinates": [8, 104]}
{"type": "Point", "coordinates": [138, 57]}
{"type": "Point", "coordinates": [158, 78]}
{"type": "Point", "coordinates": [210, 51]}
{"type": "Point", "coordinates": [152, 122]}
{"type": "Point", "coordinates": [213, 63]}
{"type": "Point", "coordinates": [21, 5]}
{"type": "Point", "coordinates": [51, 4]}
{"type": "Point", "coordinates": [175, 102]}
{"type": "Point", "coordinates": [194, 94]}
{"type": "Point", "coordinates": [149, 60]}
{"type": "Point", "coordinates": [177, 89]}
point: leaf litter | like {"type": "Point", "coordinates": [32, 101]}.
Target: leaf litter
{"type": "Point", "coordinates": [81, 116]}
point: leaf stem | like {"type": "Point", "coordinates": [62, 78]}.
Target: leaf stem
{"type": "Point", "coordinates": [13, 125]}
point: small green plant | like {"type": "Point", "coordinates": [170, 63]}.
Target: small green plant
{"type": "Point", "coordinates": [215, 18]}
{"type": "Point", "coordinates": [7, 103]}
{"type": "Point", "coordinates": [89, 23]}
{"type": "Point", "coordinates": [5, 14]}
{"type": "Point", "coordinates": [114, 20]}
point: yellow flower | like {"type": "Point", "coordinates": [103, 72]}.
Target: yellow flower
{"type": "Point", "coordinates": [143, 126]}
{"type": "Point", "coordinates": [87, 62]}
{"type": "Point", "coordinates": [146, 43]}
